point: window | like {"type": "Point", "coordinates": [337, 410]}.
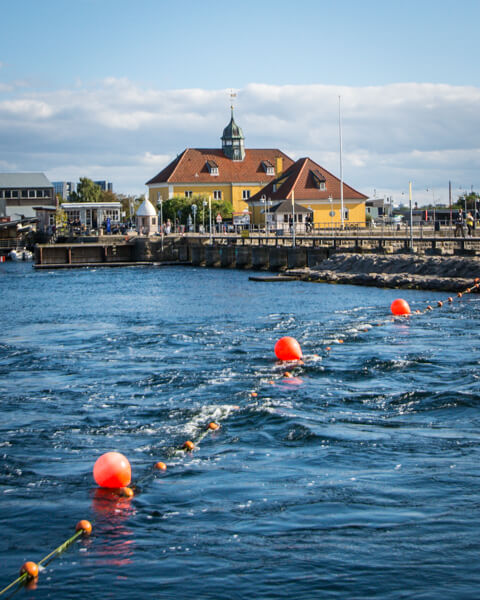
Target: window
{"type": "Point", "coordinates": [39, 193]}
{"type": "Point", "coordinates": [14, 193]}
{"type": "Point", "coordinates": [154, 220]}
{"type": "Point", "coordinates": [217, 194]}
{"type": "Point", "coordinates": [245, 194]}
{"type": "Point", "coordinates": [322, 186]}
{"type": "Point", "coordinates": [212, 167]}
{"type": "Point", "coordinates": [274, 187]}
{"type": "Point", "coordinates": [188, 194]}
{"type": "Point", "coordinates": [268, 167]}
{"type": "Point", "coordinates": [24, 193]}
{"type": "Point", "coordinates": [31, 193]}
{"type": "Point", "coordinates": [8, 193]}
{"type": "Point", "coordinates": [345, 214]}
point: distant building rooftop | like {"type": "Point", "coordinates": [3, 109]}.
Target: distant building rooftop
{"type": "Point", "coordinates": [23, 180]}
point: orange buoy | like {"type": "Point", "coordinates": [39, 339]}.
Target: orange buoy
{"type": "Point", "coordinates": [127, 492]}
{"type": "Point", "coordinates": [476, 280]}
{"type": "Point", "coordinates": [459, 294]}
{"type": "Point", "coordinates": [328, 348]}
{"type": "Point", "coordinates": [85, 526]}
{"type": "Point", "coordinates": [287, 348]}
{"type": "Point", "coordinates": [161, 466]}
{"type": "Point", "coordinates": [271, 382]}
{"type": "Point", "coordinates": [112, 470]}
{"type": "Point", "coordinates": [213, 426]}
{"type": "Point", "coordinates": [429, 307]}
{"type": "Point", "coordinates": [467, 291]}
{"type": "Point", "coordinates": [400, 307]}
{"type": "Point", "coordinates": [254, 394]}
{"type": "Point", "coordinates": [30, 568]}
{"type": "Point", "coordinates": [340, 341]}
{"type": "Point", "coordinates": [417, 312]}
{"type": "Point", "coordinates": [439, 303]}
{"type": "Point", "coordinates": [450, 299]}
{"type": "Point", "coordinates": [188, 445]}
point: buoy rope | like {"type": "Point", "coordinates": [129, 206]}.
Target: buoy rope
{"type": "Point", "coordinates": [30, 570]}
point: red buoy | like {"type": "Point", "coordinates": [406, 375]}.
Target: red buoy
{"type": "Point", "coordinates": [287, 348]}
{"type": "Point", "coordinates": [112, 470]}
{"type": "Point", "coordinates": [400, 307]}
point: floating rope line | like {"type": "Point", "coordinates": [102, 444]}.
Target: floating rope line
{"type": "Point", "coordinates": [31, 570]}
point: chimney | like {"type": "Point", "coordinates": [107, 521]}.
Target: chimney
{"type": "Point", "coordinates": [278, 165]}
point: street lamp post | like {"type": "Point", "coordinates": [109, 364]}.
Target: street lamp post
{"type": "Point", "coordinates": [210, 217]}
{"type": "Point", "coordinates": [264, 200]}
{"type": "Point", "coordinates": [330, 199]}
{"type": "Point", "coordinates": [269, 203]}
{"type": "Point", "coordinates": [194, 212]}
{"type": "Point", "coordinates": [160, 202]}
{"type": "Point", "coordinates": [434, 209]}
{"type": "Point", "coordinates": [204, 205]}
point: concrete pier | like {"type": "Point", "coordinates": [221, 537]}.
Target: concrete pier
{"type": "Point", "coordinates": [227, 251]}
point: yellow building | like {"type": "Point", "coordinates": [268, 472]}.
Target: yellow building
{"type": "Point", "coordinates": [317, 194]}
{"type": "Point", "coordinates": [231, 174]}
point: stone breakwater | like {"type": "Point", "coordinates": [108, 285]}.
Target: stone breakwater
{"type": "Point", "coordinates": [449, 274]}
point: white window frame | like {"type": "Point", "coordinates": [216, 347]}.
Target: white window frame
{"type": "Point", "coordinates": [188, 193]}
{"type": "Point", "coordinates": [217, 194]}
{"type": "Point", "coordinates": [245, 194]}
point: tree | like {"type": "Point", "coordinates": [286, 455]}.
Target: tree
{"type": "Point", "coordinates": [467, 201]}
{"type": "Point", "coordinates": [108, 196]}
{"type": "Point", "coordinates": [180, 207]}
{"type": "Point", "coordinates": [87, 191]}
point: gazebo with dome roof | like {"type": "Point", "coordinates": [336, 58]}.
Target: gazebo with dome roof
{"type": "Point", "coordinates": [147, 219]}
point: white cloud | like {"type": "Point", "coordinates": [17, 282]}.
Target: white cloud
{"type": "Point", "coordinates": [116, 130]}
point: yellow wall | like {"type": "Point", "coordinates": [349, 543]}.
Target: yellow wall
{"type": "Point", "coordinates": [321, 212]}
{"type": "Point", "coordinates": [230, 193]}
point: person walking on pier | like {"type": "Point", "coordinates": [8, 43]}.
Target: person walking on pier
{"type": "Point", "coordinates": [459, 224]}
{"type": "Point", "coordinates": [469, 224]}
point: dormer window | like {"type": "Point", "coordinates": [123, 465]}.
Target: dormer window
{"type": "Point", "coordinates": [268, 167]}
{"type": "Point", "coordinates": [212, 168]}
{"type": "Point", "coordinates": [320, 181]}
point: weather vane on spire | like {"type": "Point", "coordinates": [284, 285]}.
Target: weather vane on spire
{"type": "Point", "coordinates": [233, 95]}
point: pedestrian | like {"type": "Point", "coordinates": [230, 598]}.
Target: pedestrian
{"type": "Point", "coordinates": [459, 224]}
{"type": "Point", "coordinates": [469, 224]}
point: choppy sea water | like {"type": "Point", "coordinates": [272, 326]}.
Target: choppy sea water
{"type": "Point", "coordinates": [356, 478]}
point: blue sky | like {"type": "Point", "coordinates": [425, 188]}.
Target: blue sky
{"type": "Point", "coordinates": [117, 88]}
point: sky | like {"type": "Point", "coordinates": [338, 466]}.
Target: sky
{"type": "Point", "coordinates": [115, 89]}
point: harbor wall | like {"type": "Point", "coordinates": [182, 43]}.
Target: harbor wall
{"type": "Point", "coordinates": [268, 254]}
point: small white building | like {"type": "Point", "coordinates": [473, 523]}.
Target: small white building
{"type": "Point", "coordinates": [147, 219]}
{"type": "Point", "coordinates": [92, 215]}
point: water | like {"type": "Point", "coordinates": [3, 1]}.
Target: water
{"type": "Point", "coordinates": [356, 479]}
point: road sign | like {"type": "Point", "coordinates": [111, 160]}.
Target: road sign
{"type": "Point", "coordinates": [219, 218]}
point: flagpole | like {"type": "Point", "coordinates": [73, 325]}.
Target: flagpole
{"type": "Point", "coordinates": [411, 214]}
{"type": "Point", "coordinates": [341, 162]}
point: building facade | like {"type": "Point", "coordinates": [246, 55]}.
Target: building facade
{"type": "Point", "coordinates": [308, 185]}
{"type": "Point", "coordinates": [20, 192]}
{"type": "Point", "coordinates": [92, 215]}
{"type": "Point", "coordinates": [63, 189]}
{"type": "Point", "coordinates": [231, 174]}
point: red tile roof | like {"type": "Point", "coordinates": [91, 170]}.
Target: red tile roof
{"type": "Point", "coordinates": [191, 167]}
{"type": "Point", "coordinates": [302, 178]}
